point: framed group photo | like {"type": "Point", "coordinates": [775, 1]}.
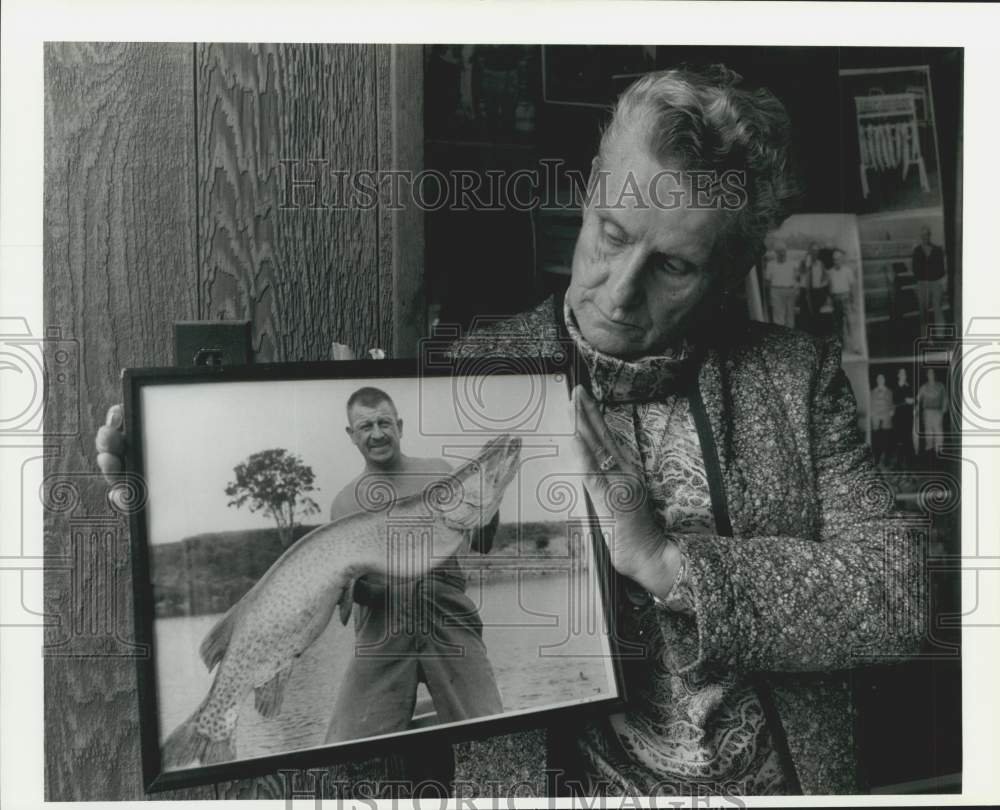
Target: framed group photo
{"type": "Point", "coordinates": [334, 558]}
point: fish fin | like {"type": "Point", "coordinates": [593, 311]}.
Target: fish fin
{"type": "Point", "coordinates": [187, 745]}
{"type": "Point", "coordinates": [267, 698]}
{"type": "Point", "coordinates": [215, 644]}
{"type": "Point", "coordinates": [347, 603]}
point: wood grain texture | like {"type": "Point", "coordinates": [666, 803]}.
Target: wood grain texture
{"type": "Point", "coordinates": [119, 268]}
{"type": "Point", "coordinates": [401, 221]}
{"type": "Point", "coordinates": [306, 276]}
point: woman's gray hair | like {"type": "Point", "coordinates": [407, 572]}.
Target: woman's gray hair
{"type": "Point", "coordinates": [701, 120]}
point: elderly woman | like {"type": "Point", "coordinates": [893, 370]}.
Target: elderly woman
{"type": "Point", "coordinates": [757, 559]}
{"type": "Point", "coordinates": [755, 556]}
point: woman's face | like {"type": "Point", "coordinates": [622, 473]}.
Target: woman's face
{"type": "Point", "coordinates": [641, 266]}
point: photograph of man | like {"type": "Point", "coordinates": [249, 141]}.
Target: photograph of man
{"type": "Point", "coordinates": [781, 283]}
{"type": "Point", "coordinates": [902, 419]}
{"type": "Point", "coordinates": [881, 420]}
{"type": "Point", "coordinates": [932, 405]}
{"type": "Point", "coordinates": [842, 292]}
{"type": "Point", "coordinates": [931, 278]}
{"type": "Point", "coordinates": [422, 631]}
{"type": "Point", "coordinates": [815, 285]}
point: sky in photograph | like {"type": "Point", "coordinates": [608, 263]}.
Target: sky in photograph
{"type": "Point", "coordinates": [195, 434]}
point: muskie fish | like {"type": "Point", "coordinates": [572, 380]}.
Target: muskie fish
{"type": "Point", "coordinates": [256, 643]}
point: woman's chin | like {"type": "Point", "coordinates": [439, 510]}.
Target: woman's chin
{"type": "Point", "coordinates": [614, 341]}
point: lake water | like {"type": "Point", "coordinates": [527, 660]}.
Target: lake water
{"type": "Point", "coordinates": [542, 637]}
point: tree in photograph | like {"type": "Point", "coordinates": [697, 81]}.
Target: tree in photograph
{"type": "Point", "coordinates": [275, 482]}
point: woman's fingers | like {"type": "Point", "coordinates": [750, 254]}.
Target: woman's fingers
{"type": "Point", "coordinates": [110, 440]}
{"type": "Point", "coordinates": [116, 417]}
{"type": "Point", "coordinates": [109, 464]}
{"type": "Point", "coordinates": [110, 443]}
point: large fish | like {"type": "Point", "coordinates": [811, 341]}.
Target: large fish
{"type": "Point", "coordinates": [257, 642]}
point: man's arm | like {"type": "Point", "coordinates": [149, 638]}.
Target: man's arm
{"type": "Point", "coordinates": [797, 604]}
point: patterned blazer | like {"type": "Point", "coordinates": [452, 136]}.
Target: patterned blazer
{"type": "Point", "coordinates": [811, 574]}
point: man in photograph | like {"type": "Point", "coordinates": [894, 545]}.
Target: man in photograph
{"type": "Point", "coordinates": [929, 271]}
{"type": "Point", "coordinates": [932, 405]}
{"type": "Point", "coordinates": [842, 284]}
{"type": "Point", "coordinates": [881, 419]}
{"type": "Point", "coordinates": [780, 280]}
{"type": "Point", "coordinates": [902, 420]}
{"type": "Point", "coordinates": [422, 631]}
{"type": "Point", "coordinates": [815, 286]}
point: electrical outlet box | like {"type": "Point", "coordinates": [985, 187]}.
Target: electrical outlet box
{"type": "Point", "coordinates": [212, 343]}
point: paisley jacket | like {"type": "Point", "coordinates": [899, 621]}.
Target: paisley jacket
{"type": "Point", "coordinates": [810, 574]}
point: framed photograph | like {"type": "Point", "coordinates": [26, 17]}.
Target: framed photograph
{"type": "Point", "coordinates": [909, 286]}
{"type": "Point", "coordinates": [332, 559]}
{"type": "Point", "coordinates": [913, 428]}
{"type": "Point", "coordinates": [889, 139]}
{"type": "Point", "coordinates": [810, 279]}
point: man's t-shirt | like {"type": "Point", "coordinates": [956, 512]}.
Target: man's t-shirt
{"type": "Point", "coordinates": [781, 274]}
{"type": "Point", "coordinates": [841, 279]}
{"type": "Point", "coordinates": [932, 396]}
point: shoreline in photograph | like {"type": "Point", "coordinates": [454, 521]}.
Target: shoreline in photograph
{"type": "Point", "coordinates": [208, 573]}
{"type": "Point", "coordinates": [518, 623]}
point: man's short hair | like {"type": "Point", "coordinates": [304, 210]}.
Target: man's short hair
{"type": "Point", "coordinates": [368, 397]}
{"type": "Point", "coordinates": [701, 120]}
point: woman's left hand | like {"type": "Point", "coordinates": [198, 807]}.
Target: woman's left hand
{"type": "Point", "coordinates": [638, 547]}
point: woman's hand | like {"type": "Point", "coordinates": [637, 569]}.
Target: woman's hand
{"type": "Point", "coordinates": [110, 443]}
{"type": "Point", "coordinates": [637, 546]}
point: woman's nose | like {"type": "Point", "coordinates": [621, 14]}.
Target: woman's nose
{"type": "Point", "coordinates": [625, 280]}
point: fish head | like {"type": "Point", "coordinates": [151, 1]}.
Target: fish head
{"type": "Point", "coordinates": [470, 496]}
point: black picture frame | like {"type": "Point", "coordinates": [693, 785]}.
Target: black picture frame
{"type": "Point", "coordinates": [155, 777]}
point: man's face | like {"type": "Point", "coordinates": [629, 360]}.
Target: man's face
{"type": "Point", "coordinates": [640, 266]}
{"type": "Point", "coordinates": [781, 253]}
{"type": "Point", "coordinates": [838, 258]}
{"type": "Point", "coordinates": [376, 432]}
{"type": "Point", "coordinates": [880, 380]}
{"type": "Point", "coordinates": [925, 236]}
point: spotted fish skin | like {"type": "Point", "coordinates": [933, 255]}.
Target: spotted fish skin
{"type": "Point", "coordinates": [255, 644]}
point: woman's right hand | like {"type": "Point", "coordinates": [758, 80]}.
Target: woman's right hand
{"type": "Point", "coordinates": [110, 443]}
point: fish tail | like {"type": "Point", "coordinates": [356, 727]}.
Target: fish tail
{"type": "Point", "coordinates": [187, 745]}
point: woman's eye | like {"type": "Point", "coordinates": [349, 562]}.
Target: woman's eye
{"type": "Point", "coordinates": [613, 237]}
{"type": "Point", "coordinates": [673, 267]}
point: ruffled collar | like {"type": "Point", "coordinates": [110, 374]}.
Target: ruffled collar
{"type": "Point", "coordinates": [643, 380]}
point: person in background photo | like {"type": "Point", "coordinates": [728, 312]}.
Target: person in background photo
{"type": "Point", "coordinates": [815, 284]}
{"type": "Point", "coordinates": [931, 277]}
{"type": "Point", "coordinates": [780, 281]}
{"type": "Point", "coordinates": [842, 293]}
{"type": "Point", "coordinates": [903, 400]}
{"type": "Point", "coordinates": [932, 405]}
{"type": "Point", "coordinates": [881, 420]}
